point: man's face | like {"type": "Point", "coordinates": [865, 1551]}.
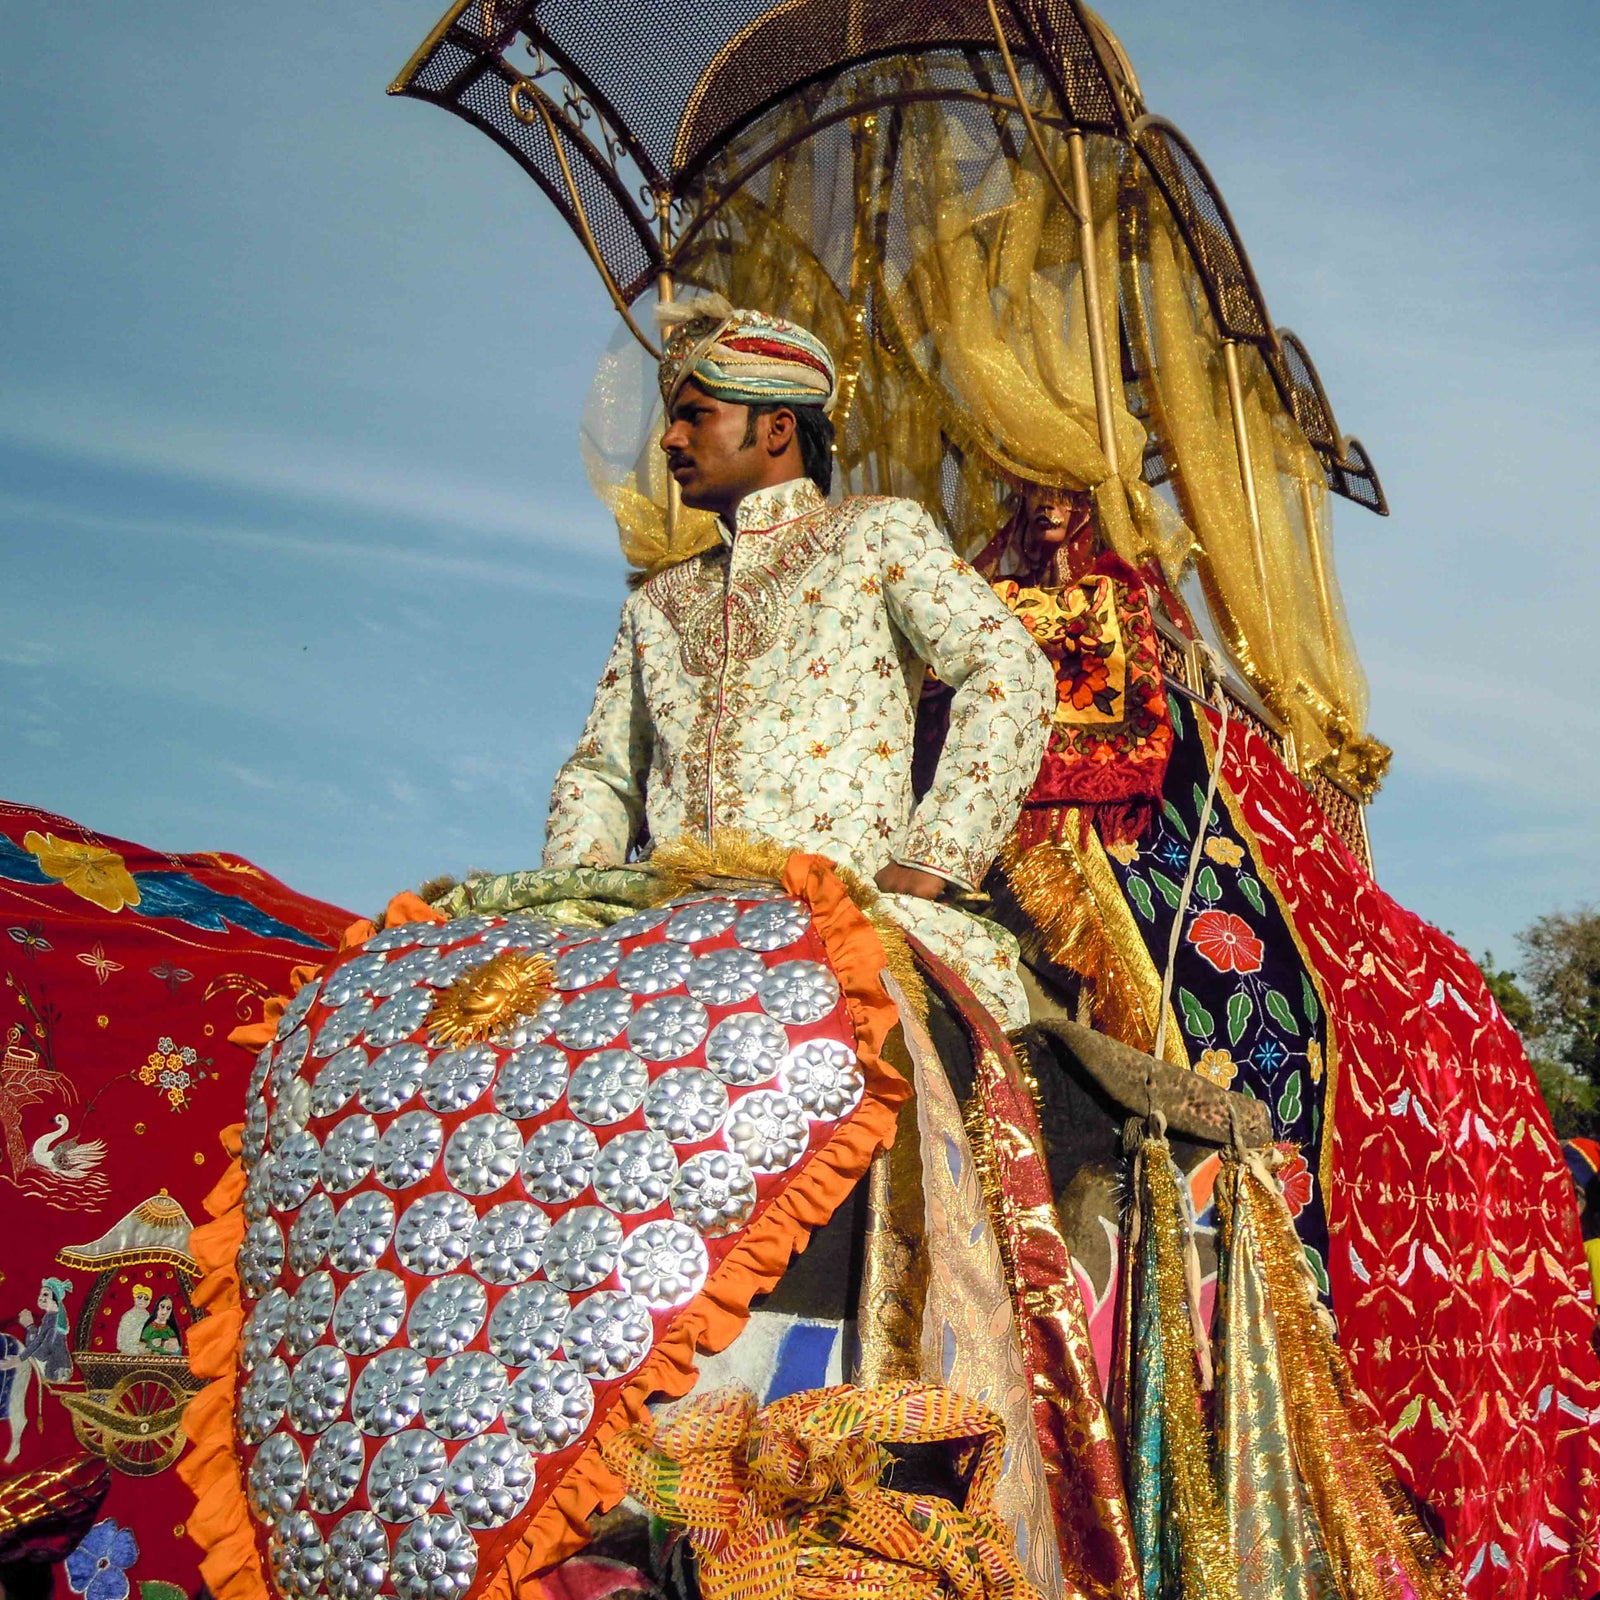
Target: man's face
{"type": "Point", "coordinates": [706, 453]}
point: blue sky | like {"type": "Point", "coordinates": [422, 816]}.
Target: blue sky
{"type": "Point", "coordinates": [297, 557]}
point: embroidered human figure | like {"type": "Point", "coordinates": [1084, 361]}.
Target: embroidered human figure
{"type": "Point", "coordinates": [160, 1336]}
{"type": "Point", "coordinates": [769, 684]}
{"type": "Point", "coordinates": [131, 1323]}
{"type": "Point", "coordinates": [41, 1355]}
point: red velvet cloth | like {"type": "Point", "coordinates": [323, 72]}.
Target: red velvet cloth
{"type": "Point", "coordinates": [1459, 1278]}
{"type": "Point", "coordinates": [124, 970]}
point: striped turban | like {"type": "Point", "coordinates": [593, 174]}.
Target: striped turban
{"type": "Point", "coordinates": [745, 357]}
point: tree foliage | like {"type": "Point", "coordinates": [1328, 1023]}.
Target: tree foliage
{"type": "Point", "coordinates": [1554, 1004]}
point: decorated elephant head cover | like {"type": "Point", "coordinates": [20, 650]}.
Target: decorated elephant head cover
{"type": "Point", "coordinates": [499, 1179]}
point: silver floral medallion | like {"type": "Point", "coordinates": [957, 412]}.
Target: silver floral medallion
{"type": "Point", "coordinates": [318, 1388]}
{"type": "Point", "coordinates": [527, 1323]}
{"type": "Point", "coordinates": [483, 1154]}
{"type": "Point", "coordinates": [798, 992]}
{"type": "Point", "coordinates": [686, 1105]}
{"type": "Point", "coordinates": [746, 1049]}
{"type": "Point", "coordinates": [388, 1394]}
{"type": "Point", "coordinates": [369, 1313]}
{"type": "Point", "coordinates": [299, 1008]}
{"type": "Point", "coordinates": [254, 1140]}
{"type": "Point", "coordinates": [260, 1257]}
{"type": "Point", "coordinates": [401, 937]}
{"type": "Point", "coordinates": [348, 1152]}
{"type": "Point", "coordinates": [406, 1475]}
{"type": "Point", "coordinates": [262, 1400]}
{"type": "Point", "coordinates": [581, 1248]}
{"type": "Point", "coordinates": [291, 1112]}
{"type": "Point", "coordinates": [725, 977]}
{"type": "Point", "coordinates": [703, 919]}
{"type": "Point", "coordinates": [634, 1172]}
{"type": "Point", "coordinates": [258, 1073]}
{"type": "Point", "coordinates": [635, 923]}
{"type": "Point", "coordinates": [593, 1019]}
{"type": "Point", "coordinates": [558, 1160]}
{"type": "Point", "coordinates": [458, 1077]}
{"type": "Point", "coordinates": [586, 964]}
{"type": "Point", "coordinates": [773, 925]}
{"type": "Point", "coordinates": [393, 1077]}
{"type": "Point", "coordinates": [668, 1028]}
{"type": "Point", "coordinates": [408, 1149]}
{"type": "Point", "coordinates": [264, 1329]}
{"type": "Point", "coordinates": [507, 1241]}
{"type": "Point", "coordinates": [825, 1077]}
{"type": "Point", "coordinates": [361, 1231]}
{"type": "Point", "coordinates": [549, 1405]}
{"type": "Point", "coordinates": [464, 1395]}
{"type": "Point", "coordinates": [409, 971]}
{"type": "Point", "coordinates": [655, 969]}
{"type": "Point", "coordinates": [489, 1481]}
{"type": "Point", "coordinates": [354, 977]}
{"type": "Point", "coordinates": [334, 1471]}
{"type": "Point", "coordinates": [664, 1263]}
{"type": "Point", "coordinates": [343, 1027]}
{"type": "Point", "coordinates": [524, 933]}
{"type": "Point", "coordinates": [530, 1030]}
{"type": "Point", "coordinates": [296, 1167]}
{"type": "Point", "coordinates": [458, 928]}
{"type": "Point", "coordinates": [277, 1475]}
{"type": "Point", "coordinates": [310, 1235]}
{"type": "Point", "coordinates": [436, 1558]}
{"type": "Point", "coordinates": [715, 1193]}
{"type": "Point", "coordinates": [337, 1079]}
{"type": "Point", "coordinates": [358, 1558]}
{"type": "Point", "coordinates": [446, 1316]}
{"type": "Point", "coordinates": [289, 1058]}
{"type": "Point", "coordinates": [451, 968]}
{"type": "Point", "coordinates": [258, 1187]}
{"type": "Point", "coordinates": [608, 1333]}
{"type": "Point", "coordinates": [400, 1017]}
{"type": "Point", "coordinates": [769, 1129]}
{"type": "Point", "coordinates": [310, 1311]}
{"type": "Point", "coordinates": [295, 1556]}
{"type": "Point", "coordinates": [607, 1087]}
{"type": "Point", "coordinates": [531, 1081]}
{"type": "Point", "coordinates": [435, 1234]}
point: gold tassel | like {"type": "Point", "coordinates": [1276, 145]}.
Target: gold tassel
{"type": "Point", "coordinates": [1073, 899]}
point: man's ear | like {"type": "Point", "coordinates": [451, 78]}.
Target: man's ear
{"type": "Point", "coordinates": [781, 427]}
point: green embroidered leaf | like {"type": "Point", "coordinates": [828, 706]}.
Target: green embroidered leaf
{"type": "Point", "coordinates": [1281, 1014]}
{"type": "Point", "coordinates": [1139, 893]}
{"type": "Point", "coordinates": [1251, 890]}
{"type": "Point", "coordinates": [1199, 801]}
{"type": "Point", "coordinates": [1170, 892]}
{"type": "Point", "coordinates": [160, 1589]}
{"type": "Point", "coordinates": [1173, 703]}
{"type": "Point", "coordinates": [1206, 885]}
{"type": "Point", "coordinates": [1289, 1100]}
{"type": "Point", "coordinates": [1318, 1271]}
{"type": "Point", "coordinates": [1240, 1010]}
{"type": "Point", "coordinates": [1408, 1418]}
{"type": "Point", "coordinates": [1196, 1018]}
{"type": "Point", "coordinates": [1308, 999]}
{"type": "Point", "coordinates": [1170, 812]}
{"type": "Point", "coordinates": [1247, 1092]}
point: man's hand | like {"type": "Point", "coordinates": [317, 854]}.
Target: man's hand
{"type": "Point", "coordinates": [895, 879]}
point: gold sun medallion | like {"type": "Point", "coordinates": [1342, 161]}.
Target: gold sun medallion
{"type": "Point", "coordinates": [486, 1000]}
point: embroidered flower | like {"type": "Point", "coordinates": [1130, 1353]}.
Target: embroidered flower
{"type": "Point", "coordinates": [1218, 1067]}
{"type": "Point", "coordinates": [90, 872]}
{"type": "Point", "coordinates": [98, 1568]}
{"type": "Point", "coordinates": [1124, 850]}
{"type": "Point", "coordinates": [1226, 942]}
{"type": "Point", "coordinates": [1314, 1060]}
{"type": "Point", "coordinates": [1224, 851]}
{"type": "Point", "coordinates": [1269, 1055]}
{"type": "Point", "coordinates": [1294, 1178]}
{"type": "Point", "coordinates": [167, 1067]}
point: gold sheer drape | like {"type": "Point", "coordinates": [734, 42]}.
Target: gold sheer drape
{"type": "Point", "coordinates": [925, 243]}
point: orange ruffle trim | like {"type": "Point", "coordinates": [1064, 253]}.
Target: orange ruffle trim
{"type": "Point", "coordinates": [221, 1523]}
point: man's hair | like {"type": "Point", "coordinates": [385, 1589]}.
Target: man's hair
{"type": "Point", "coordinates": [814, 429]}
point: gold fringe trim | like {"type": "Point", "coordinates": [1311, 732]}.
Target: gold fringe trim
{"type": "Point", "coordinates": [1208, 1567]}
{"type": "Point", "coordinates": [1072, 897]}
{"type": "Point", "coordinates": [735, 859]}
{"type": "Point", "coordinates": [1367, 1524]}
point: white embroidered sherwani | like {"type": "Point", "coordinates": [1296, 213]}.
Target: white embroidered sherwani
{"type": "Point", "coordinates": [771, 684]}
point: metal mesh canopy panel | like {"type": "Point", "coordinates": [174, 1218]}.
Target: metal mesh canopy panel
{"type": "Point", "coordinates": [1349, 472]}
